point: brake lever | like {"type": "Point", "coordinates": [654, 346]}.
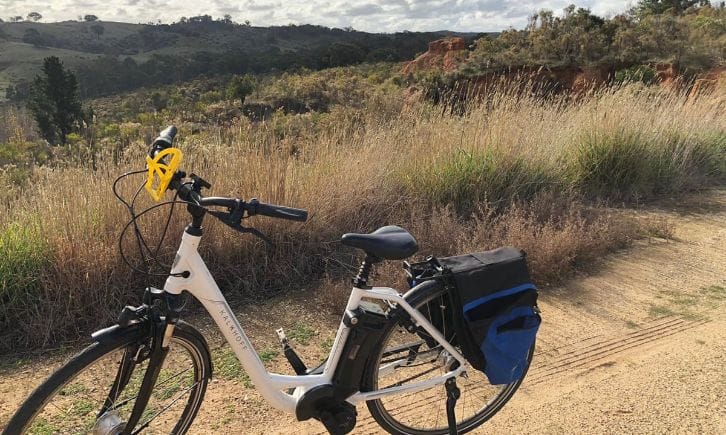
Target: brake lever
{"type": "Point", "coordinates": [230, 220]}
{"type": "Point", "coordinates": [254, 232]}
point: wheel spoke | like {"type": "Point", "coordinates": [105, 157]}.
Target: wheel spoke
{"type": "Point", "coordinates": [145, 424]}
{"type": "Point", "coordinates": [424, 411]}
{"type": "Point", "coordinates": [69, 401]}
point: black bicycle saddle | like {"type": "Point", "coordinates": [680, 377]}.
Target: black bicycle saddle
{"type": "Point", "coordinates": [388, 243]}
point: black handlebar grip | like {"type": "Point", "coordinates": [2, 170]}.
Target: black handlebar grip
{"type": "Point", "coordinates": [282, 212]}
{"type": "Point", "coordinates": [164, 141]}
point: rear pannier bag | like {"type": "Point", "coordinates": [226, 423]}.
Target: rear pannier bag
{"type": "Point", "coordinates": [496, 317]}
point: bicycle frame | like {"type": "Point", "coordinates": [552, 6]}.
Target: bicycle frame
{"type": "Point", "coordinates": [201, 285]}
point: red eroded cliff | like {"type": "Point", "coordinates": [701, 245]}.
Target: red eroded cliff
{"type": "Point", "coordinates": [443, 55]}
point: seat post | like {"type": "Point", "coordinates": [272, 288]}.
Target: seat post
{"type": "Point", "coordinates": [361, 280]}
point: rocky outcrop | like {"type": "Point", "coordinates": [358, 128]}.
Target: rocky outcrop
{"type": "Point", "coordinates": [573, 79]}
{"type": "Point", "coordinates": [667, 75]}
{"type": "Point", "coordinates": [442, 55]}
{"type": "Point", "coordinates": [588, 78]}
{"type": "Point", "coordinates": [712, 82]}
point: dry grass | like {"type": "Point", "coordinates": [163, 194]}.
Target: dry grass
{"type": "Point", "coordinates": [503, 173]}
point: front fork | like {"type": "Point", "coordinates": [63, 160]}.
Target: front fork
{"type": "Point", "coordinates": [160, 312]}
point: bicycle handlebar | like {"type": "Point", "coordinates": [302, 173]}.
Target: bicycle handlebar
{"type": "Point", "coordinates": [255, 207]}
{"type": "Point", "coordinates": [276, 211]}
{"type": "Point", "coordinates": [164, 141]}
{"type": "Point", "coordinates": [237, 207]}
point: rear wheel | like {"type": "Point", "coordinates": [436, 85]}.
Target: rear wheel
{"type": "Point", "coordinates": [75, 399]}
{"type": "Point", "coordinates": [405, 358]}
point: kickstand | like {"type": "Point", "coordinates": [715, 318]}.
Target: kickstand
{"type": "Point", "coordinates": [452, 395]}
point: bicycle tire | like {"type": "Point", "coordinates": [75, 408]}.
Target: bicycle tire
{"type": "Point", "coordinates": [184, 335]}
{"type": "Point", "coordinates": [390, 413]}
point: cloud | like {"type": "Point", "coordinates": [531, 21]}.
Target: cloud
{"type": "Point", "coordinates": [366, 15]}
{"type": "Point", "coordinates": [366, 9]}
{"type": "Point", "coordinates": [260, 6]}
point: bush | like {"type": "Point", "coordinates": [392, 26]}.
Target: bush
{"type": "Point", "coordinates": [643, 74]}
{"type": "Point", "coordinates": [468, 178]}
{"type": "Point", "coordinates": [616, 164]}
{"type": "Point", "coordinates": [240, 87]}
{"type": "Point", "coordinates": [26, 256]}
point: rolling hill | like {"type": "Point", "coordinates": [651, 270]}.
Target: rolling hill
{"type": "Point", "coordinates": [199, 45]}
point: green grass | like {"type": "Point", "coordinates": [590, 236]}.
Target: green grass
{"type": "Point", "coordinates": [81, 407]}
{"type": "Point", "coordinates": [268, 355]}
{"type": "Point", "coordinates": [632, 325]}
{"type": "Point", "coordinates": [682, 299]}
{"type": "Point", "coordinates": [627, 164]}
{"type": "Point", "coordinates": [12, 363]}
{"type": "Point", "coordinates": [611, 164]}
{"type": "Point", "coordinates": [717, 292]}
{"type": "Point", "coordinates": [41, 426]}
{"type": "Point", "coordinates": [345, 170]}
{"type": "Point", "coordinates": [327, 344]}
{"type": "Point", "coordinates": [227, 366]}
{"type": "Point", "coordinates": [467, 178]}
{"type": "Point", "coordinates": [689, 306]}
{"type": "Point", "coordinates": [660, 311]}
{"type": "Point", "coordinates": [73, 388]}
{"type": "Point", "coordinates": [25, 255]}
{"type": "Point", "coordinates": [171, 383]}
{"type": "Point", "coordinates": [302, 334]}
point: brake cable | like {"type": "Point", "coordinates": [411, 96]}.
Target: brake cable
{"type": "Point", "coordinates": [132, 222]}
{"type": "Point", "coordinates": [232, 219]}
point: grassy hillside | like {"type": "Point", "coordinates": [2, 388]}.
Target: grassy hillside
{"type": "Point", "coordinates": [353, 144]}
{"type": "Point", "coordinates": [458, 182]}
{"type": "Point", "coordinates": [215, 46]}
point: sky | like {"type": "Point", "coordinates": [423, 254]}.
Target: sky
{"type": "Point", "coordinates": [365, 15]}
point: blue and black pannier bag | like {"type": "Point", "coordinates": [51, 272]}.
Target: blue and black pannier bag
{"type": "Point", "coordinates": [494, 310]}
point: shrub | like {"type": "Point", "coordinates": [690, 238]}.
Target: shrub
{"type": "Point", "coordinates": [468, 178]}
{"type": "Point", "coordinates": [615, 164]}
{"type": "Point", "coordinates": [26, 256]}
{"type": "Point", "coordinates": [637, 74]}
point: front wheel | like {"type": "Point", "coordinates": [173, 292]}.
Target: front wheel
{"type": "Point", "coordinates": [405, 358]}
{"type": "Point", "coordinates": [86, 396]}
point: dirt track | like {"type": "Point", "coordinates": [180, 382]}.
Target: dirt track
{"type": "Point", "coordinates": [639, 346]}
{"type": "Point", "coordinates": [635, 347]}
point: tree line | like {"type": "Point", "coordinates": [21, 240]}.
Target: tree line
{"type": "Point", "coordinates": [690, 33]}
{"type": "Point", "coordinates": [111, 74]}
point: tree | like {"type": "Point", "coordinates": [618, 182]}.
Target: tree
{"type": "Point", "coordinates": [32, 36]}
{"type": "Point", "coordinates": [34, 16]}
{"type": "Point", "coordinates": [90, 18]}
{"type": "Point", "coordinates": [159, 101]}
{"type": "Point", "coordinates": [16, 19]}
{"type": "Point", "coordinates": [240, 87]}
{"type": "Point", "coordinates": [342, 54]}
{"type": "Point", "coordinates": [656, 7]}
{"type": "Point", "coordinates": [54, 101]}
{"type": "Point", "coordinates": [98, 29]}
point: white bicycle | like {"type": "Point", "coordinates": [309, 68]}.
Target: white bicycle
{"type": "Point", "coordinates": [149, 372]}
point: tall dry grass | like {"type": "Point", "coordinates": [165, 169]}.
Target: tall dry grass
{"type": "Point", "coordinates": [514, 169]}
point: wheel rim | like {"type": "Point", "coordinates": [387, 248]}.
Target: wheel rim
{"type": "Point", "coordinates": [75, 405]}
{"type": "Point", "coordinates": [424, 412]}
